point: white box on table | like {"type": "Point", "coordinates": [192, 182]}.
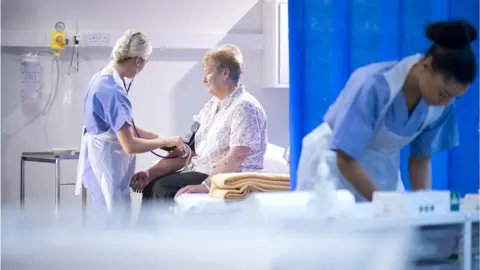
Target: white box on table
{"type": "Point", "coordinates": [417, 203]}
{"type": "Point", "coordinates": [471, 203]}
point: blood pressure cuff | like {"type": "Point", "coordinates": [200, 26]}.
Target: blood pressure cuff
{"type": "Point", "coordinates": [189, 138]}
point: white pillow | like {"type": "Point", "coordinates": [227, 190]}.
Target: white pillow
{"type": "Point", "coordinates": [273, 164]}
{"type": "Point", "coordinates": [274, 161]}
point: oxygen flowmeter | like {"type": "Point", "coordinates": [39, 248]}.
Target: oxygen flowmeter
{"type": "Point", "coordinates": [58, 40]}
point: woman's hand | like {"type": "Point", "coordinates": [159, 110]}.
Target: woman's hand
{"type": "Point", "coordinates": [139, 181]}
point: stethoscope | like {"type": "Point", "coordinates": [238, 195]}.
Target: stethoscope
{"type": "Point", "coordinates": [188, 152]}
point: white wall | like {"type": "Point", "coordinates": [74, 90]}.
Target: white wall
{"type": "Point", "coordinates": [165, 95]}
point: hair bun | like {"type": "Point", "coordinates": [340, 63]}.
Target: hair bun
{"type": "Point", "coordinates": [452, 34]}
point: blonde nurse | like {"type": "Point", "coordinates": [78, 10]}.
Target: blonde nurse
{"type": "Point", "coordinates": [107, 155]}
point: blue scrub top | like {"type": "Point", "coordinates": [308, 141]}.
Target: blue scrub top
{"type": "Point", "coordinates": [106, 105]}
{"type": "Point", "coordinates": [355, 112]}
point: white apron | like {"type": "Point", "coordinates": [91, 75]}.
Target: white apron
{"type": "Point", "coordinates": [381, 160]}
{"type": "Point", "coordinates": [112, 168]}
{"type": "Point", "coordinates": [106, 170]}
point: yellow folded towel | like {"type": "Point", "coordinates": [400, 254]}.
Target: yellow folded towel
{"type": "Point", "coordinates": [236, 186]}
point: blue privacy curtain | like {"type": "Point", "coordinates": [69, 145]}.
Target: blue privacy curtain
{"type": "Point", "coordinates": [330, 38]}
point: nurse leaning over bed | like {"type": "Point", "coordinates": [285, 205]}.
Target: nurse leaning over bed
{"type": "Point", "coordinates": [386, 106]}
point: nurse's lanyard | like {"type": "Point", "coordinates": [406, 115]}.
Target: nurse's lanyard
{"type": "Point", "coordinates": [138, 134]}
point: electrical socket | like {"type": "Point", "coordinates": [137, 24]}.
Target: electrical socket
{"type": "Point", "coordinates": [90, 39]}
{"type": "Point", "coordinates": [104, 39]}
{"type": "Point", "coordinates": [96, 39]}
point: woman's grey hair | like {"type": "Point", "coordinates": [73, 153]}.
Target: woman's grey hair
{"type": "Point", "coordinates": [227, 56]}
{"type": "Point", "coordinates": [130, 45]}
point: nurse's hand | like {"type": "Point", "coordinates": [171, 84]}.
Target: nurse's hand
{"type": "Point", "coordinates": [180, 147]}
{"type": "Point", "coordinates": [192, 189]}
{"type": "Point", "coordinates": [139, 181]}
{"type": "Point", "coordinates": [174, 141]}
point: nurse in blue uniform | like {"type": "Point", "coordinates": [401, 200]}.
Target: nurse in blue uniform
{"type": "Point", "coordinates": [107, 154]}
{"type": "Point", "coordinates": [386, 106]}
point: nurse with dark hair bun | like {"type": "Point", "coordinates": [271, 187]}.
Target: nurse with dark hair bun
{"type": "Point", "coordinates": [386, 106]}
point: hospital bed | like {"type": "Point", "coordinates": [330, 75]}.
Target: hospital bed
{"type": "Point", "coordinates": [442, 236]}
{"type": "Point", "coordinates": [443, 241]}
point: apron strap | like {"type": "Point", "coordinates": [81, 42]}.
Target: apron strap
{"type": "Point", "coordinates": [395, 78]}
{"type": "Point", "coordinates": [109, 135]}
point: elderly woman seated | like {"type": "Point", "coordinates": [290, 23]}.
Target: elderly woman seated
{"type": "Point", "coordinates": [232, 136]}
